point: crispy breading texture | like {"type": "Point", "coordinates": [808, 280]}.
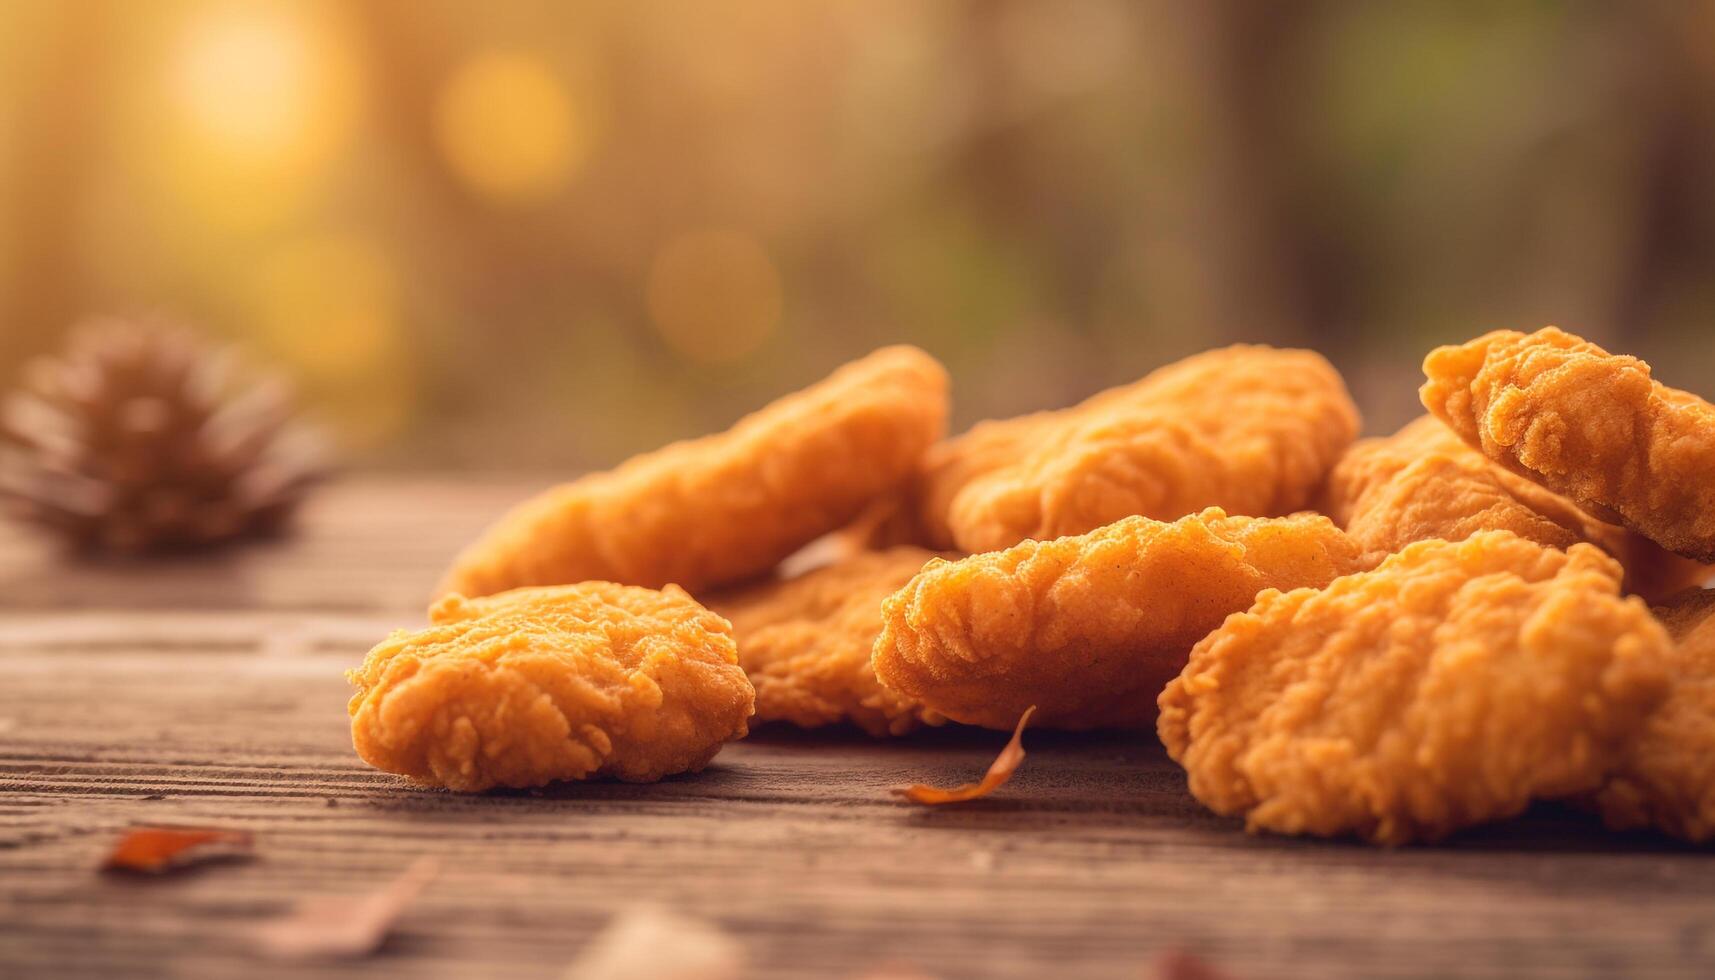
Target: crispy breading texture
{"type": "Point", "coordinates": [805, 643]}
{"type": "Point", "coordinates": [1252, 430]}
{"type": "Point", "coordinates": [1088, 628]}
{"type": "Point", "coordinates": [1668, 778]}
{"type": "Point", "coordinates": [563, 682]}
{"type": "Point", "coordinates": [726, 507]}
{"type": "Point", "coordinates": [1423, 482]}
{"type": "Point", "coordinates": [1588, 424]}
{"type": "Point", "coordinates": [1450, 686]}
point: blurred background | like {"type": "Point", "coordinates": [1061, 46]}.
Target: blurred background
{"type": "Point", "coordinates": [521, 235]}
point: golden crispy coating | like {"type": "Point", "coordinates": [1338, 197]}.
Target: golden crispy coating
{"type": "Point", "coordinates": [565, 682]}
{"type": "Point", "coordinates": [1588, 424]}
{"type": "Point", "coordinates": [726, 507]}
{"type": "Point", "coordinates": [990, 451]}
{"type": "Point", "coordinates": [1089, 628]}
{"type": "Point", "coordinates": [1424, 482]}
{"type": "Point", "coordinates": [1451, 685]}
{"type": "Point", "coordinates": [1668, 778]}
{"type": "Point", "coordinates": [1250, 429]}
{"type": "Point", "coordinates": [805, 643]}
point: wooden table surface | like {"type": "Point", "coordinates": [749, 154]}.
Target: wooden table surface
{"type": "Point", "coordinates": [209, 691]}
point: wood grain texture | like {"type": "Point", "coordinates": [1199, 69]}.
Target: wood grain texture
{"type": "Point", "coordinates": [210, 692]}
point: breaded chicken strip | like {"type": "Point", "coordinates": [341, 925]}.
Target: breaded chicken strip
{"type": "Point", "coordinates": [1450, 686]}
{"type": "Point", "coordinates": [726, 507]}
{"type": "Point", "coordinates": [1250, 429]}
{"type": "Point", "coordinates": [1668, 778]}
{"type": "Point", "coordinates": [1089, 628]}
{"type": "Point", "coordinates": [566, 682]}
{"type": "Point", "coordinates": [806, 642]}
{"type": "Point", "coordinates": [1424, 482]}
{"type": "Point", "coordinates": [1588, 424]}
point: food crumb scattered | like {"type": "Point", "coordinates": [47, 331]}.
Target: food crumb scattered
{"type": "Point", "coordinates": [1004, 766]}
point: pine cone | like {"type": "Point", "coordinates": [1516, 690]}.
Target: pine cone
{"type": "Point", "coordinates": [138, 438]}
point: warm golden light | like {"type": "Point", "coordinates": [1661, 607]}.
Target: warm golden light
{"type": "Point", "coordinates": [330, 306]}
{"type": "Point", "coordinates": [490, 211]}
{"type": "Point", "coordinates": [509, 128]}
{"type": "Point", "coordinates": [259, 98]}
{"type": "Point", "coordinates": [714, 295]}
{"type": "Point", "coordinates": [244, 82]}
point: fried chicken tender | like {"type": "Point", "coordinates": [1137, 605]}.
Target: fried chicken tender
{"type": "Point", "coordinates": [1253, 430]}
{"type": "Point", "coordinates": [1451, 685]}
{"type": "Point", "coordinates": [1588, 424]}
{"type": "Point", "coordinates": [726, 507]}
{"type": "Point", "coordinates": [564, 682]}
{"type": "Point", "coordinates": [1668, 778]}
{"type": "Point", "coordinates": [1089, 628]}
{"type": "Point", "coordinates": [1424, 482]}
{"type": "Point", "coordinates": [805, 642]}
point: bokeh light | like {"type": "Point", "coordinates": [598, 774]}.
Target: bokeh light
{"type": "Point", "coordinates": [714, 295]}
{"type": "Point", "coordinates": [402, 202]}
{"type": "Point", "coordinates": [1060, 49]}
{"type": "Point", "coordinates": [509, 128]}
{"type": "Point", "coordinates": [243, 81]}
{"type": "Point", "coordinates": [259, 100]}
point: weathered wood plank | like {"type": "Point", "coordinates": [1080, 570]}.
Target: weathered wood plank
{"type": "Point", "coordinates": [209, 692]}
{"type": "Point", "coordinates": [361, 545]}
{"type": "Point", "coordinates": [1093, 860]}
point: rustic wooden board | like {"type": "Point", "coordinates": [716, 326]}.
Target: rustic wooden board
{"type": "Point", "coordinates": [364, 546]}
{"type": "Point", "coordinates": [209, 692]}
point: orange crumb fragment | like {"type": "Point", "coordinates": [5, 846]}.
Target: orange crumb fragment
{"type": "Point", "coordinates": [154, 850]}
{"type": "Point", "coordinates": [1004, 766]}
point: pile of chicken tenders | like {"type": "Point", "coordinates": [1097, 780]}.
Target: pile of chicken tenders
{"type": "Point", "coordinates": [1390, 638]}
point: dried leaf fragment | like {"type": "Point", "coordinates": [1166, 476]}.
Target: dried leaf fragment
{"type": "Point", "coordinates": [1004, 766]}
{"type": "Point", "coordinates": [896, 971]}
{"type": "Point", "coordinates": [158, 850]}
{"type": "Point", "coordinates": [343, 926]}
{"type": "Point", "coordinates": [651, 943]}
{"type": "Point", "coordinates": [1180, 965]}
